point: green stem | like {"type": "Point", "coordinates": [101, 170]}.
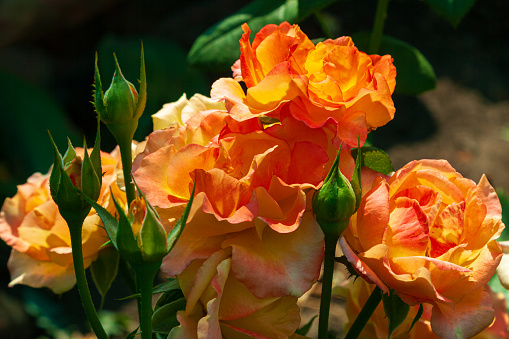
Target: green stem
{"type": "Point", "coordinates": [145, 274]}
{"type": "Point", "coordinates": [365, 314]}
{"type": "Point", "coordinates": [378, 26]}
{"type": "Point", "coordinates": [127, 164]}
{"type": "Point", "coordinates": [81, 281]}
{"type": "Point", "coordinates": [328, 272]}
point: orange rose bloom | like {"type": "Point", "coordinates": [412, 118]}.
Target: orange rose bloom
{"type": "Point", "coordinates": [30, 223]}
{"type": "Point", "coordinates": [357, 293]}
{"type": "Point", "coordinates": [332, 80]}
{"type": "Point", "coordinates": [429, 234]}
{"type": "Point", "coordinates": [251, 186]}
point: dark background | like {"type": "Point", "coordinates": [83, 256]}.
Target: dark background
{"type": "Point", "coordinates": [47, 51]}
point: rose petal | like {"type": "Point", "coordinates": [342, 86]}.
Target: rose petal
{"type": "Point", "coordinates": [373, 216]}
{"type": "Point", "coordinates": [35, 273]}
{"type": "Point", "coordinates": [465, 319]}
{"type": "Point", "coordinates": [275, 264]}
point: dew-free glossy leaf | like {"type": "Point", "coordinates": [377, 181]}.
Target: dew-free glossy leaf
{"type": "Point", "coordinates": [375, 158]}
{"type": "Point", "coordinates": [168, 285]}
{"type": "Point", "coordinates": [305, 329]}
{"type": "Point", "coordinates": [104, 269]}
{"type": "Point", "coordinates": [165, 318]}
{"type": "Point", "coordinates": [218, 47]}
{"type": "Point", "coordinates": [395, 309]}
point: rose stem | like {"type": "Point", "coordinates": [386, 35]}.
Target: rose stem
{"type": "Point", "coordinates": [81, 279]}
{"type": "Point", "coordinates": [365, 314]}
{"type": "Point", "coordinates": [145, 274]}
{"type": "Point", "coordinates": [328, 271]}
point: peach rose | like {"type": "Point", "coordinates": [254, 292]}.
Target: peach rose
{"type": "Point", "coordinates": [30, 223]}
{"type": "Point", "coordinates": [357, 292]}
{"type": "Point", "coordinates": [244, 183]}
{"type": "Point", "coordinates": [429, 234]}
{"type": "Point", "coordinates": [220, 306]}
{"type": "Point", "coordinates": [332, 80]}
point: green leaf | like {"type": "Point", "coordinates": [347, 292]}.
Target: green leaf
{"type": "Point", "coordinates": [104, 270]}
{"type": "Point", "coordinates": [109, 221]}
{"type": "Point", "coordinates": [305, 329]}
{"type": "Point", "coordinates": [169, 297]}
{"type": "Point", "coordinates": [395, 309]}
{"type": "Point", "coordinates": [165, 318]}
{"type": "Point", "coordinates": [168, 285]}
{"type": "Point", "coordinates": [415, 74]}
{"type": "Point", "coordinates": [129, 297]}
{"type": "Point", "coordinates": [179, 226]}
{"type": "Point", "coordinates": [133, 334]}
{"type": "Point", "coordinates": [417, 317]}
{"type": "Point", "coordinates": [219, 46]}
{"type": "Point", "coordinates": [452, 10]}
{"type": "Point", "coordinates": [375, 158]}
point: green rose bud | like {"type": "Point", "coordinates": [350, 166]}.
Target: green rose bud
{"type": "Point", "coordinates": [121, 106]}
{"type": "Point", "coordinates": [335, 202]}
{"type": "Point", "coordinates": [71, 175]}
{"type": "Point", "coordinates": [151, 233]}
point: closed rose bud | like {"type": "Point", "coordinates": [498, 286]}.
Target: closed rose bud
{"type": "Point", "coordinates": [149, 231]}
{"type": "Point", "coordinates": [72, 174]}
{"type": "Point", "coordinates": [120, 106]}
{"type": "Point", "coordinates": [334, 203]}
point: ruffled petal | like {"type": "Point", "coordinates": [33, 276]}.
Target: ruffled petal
{"type": "Point", "coordinates": [465, 319]}
{"type": "Point", "coordinates": [273, 264]}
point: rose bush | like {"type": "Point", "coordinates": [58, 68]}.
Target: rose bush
{"type": "Point", "coordinates": [430, 235]}
{"type": "Point", "coordinates": [30, 223]}
{"type": "Point", "coordinates": [330, 81]}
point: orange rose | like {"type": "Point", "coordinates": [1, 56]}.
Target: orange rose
{"type": "Point", "coordinates": [357, 293]}
{"type": "Point", "coordinates": [220, 306]}
{"type": "Point", "coordinates": [429, 234]}
{"type": "Point", "coordinates": [332, 80]}
{"type": "Point", "coordinates": [30, 223]}
{"type": "Point", "coordinates": [246, 178]}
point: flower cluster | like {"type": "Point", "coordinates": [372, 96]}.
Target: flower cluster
{"type": "Point", "coordinates": [31, 224]}
{"type": "Point", "coordinates": [256, 161]}
{"type": "Point", "coordinates": [243, 166]}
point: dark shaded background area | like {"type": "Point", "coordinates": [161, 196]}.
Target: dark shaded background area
{"type": "Point", "coordinates": [47, 51]}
